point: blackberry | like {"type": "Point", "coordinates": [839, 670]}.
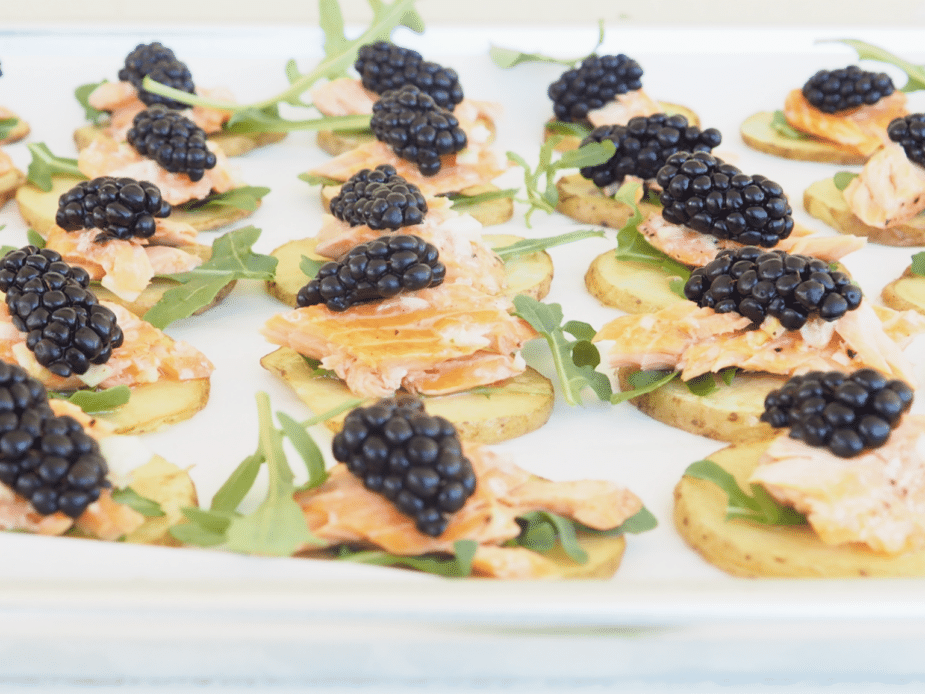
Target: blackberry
{"type": "Point", "coordinates": [383, 66]}
{"type": "Point", "coordinates": [411, 123]}
{"type": "Point", "coordinates": [413, 459]}
{"type": "Point", "coordinates": [833, 91]}
{"type": "Point", "coordinates": [161, 64]}
{"type": "Point", "coordinates": [119, 207]}
{"type": "Point", "coordinates": [66, 328]}
{"type": "Point", "coordinates": [592, 84]}
{"type": "Point", "coordinates": [845, 413]}
{"type": "Point", "coordinates": [375, 270]}
{"type": "Point", "coordinates": [172, 140]}
{"type": "Point", "coordinates": [909, 132]}
{"type": "Point", "coordinates": [757, 283]}
{"type": "Point", "coordinates": [712, 197]}
{"type": "Point", "coordinates": [380, 199]}
{"type": "Point", "coordinates": [644, 144]}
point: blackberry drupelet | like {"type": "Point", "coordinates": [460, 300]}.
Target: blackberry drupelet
{"type": "Point", "coordinates": [161, 64]}
{"type": "Point", "coordinates": [172, 140]}
{"type": "Point", "coordinates": [66, 328]}
{"type": "Point", "coordinates": [380, 199]}
{"type": "Point", "coordinates": [833, 91]}
{"type": "Point", "coordinates": [644, 144]}
{"type": "Point", "coordinates": [592, 84]}
{"type": "Point", "coordinates": [909, 133]}
{"type": "Point", "coordinates": [410, 122]}
{"type": "Point", "coordinates": [119, 207]}
{"type": "Point", "coordinates": [383, 66]}
{"type": "Point", "coordinates": [413, 459]}
{"type": "Point", "coordinates": [712, 197]}
{"type": "Point", "coordinates": [756, 283]}
{"type": "Point", "coordinates": [376, 270]}
{"type": "Point", "coordinates": [845, 413]}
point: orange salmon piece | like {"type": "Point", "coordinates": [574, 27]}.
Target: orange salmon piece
{"type": "Point", "coordinates": [620, 110]}
{"type": "Point", "coordinates": [889, 190]}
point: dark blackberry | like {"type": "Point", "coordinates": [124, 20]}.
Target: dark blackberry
{"type": "Point", "coordinates": [66, 328]}
{"type": "Point", "coordinates": [162, 65]}
{"type": "Point", "coordinates": [119, 207]}
{"type": "Point", "coordinates": [383, 66]}
{"type": "Point", "coordinates": [712, 197]}
{"type": "Point", "coordinates": [909, 132]}
{"type": "Point", "coordinates": [375, 270]}
{"type": "Point", "coordinates": [172, 140]}
{"type": "Point", "coordinates": [757, 283]}
{"type": "Point", "coordinates": [832, 91]}
{"type": "Point", "coordinates": [644, 144]}
{"type": "Point", "coordinates": [845, 413]}
{"type": "Point", "coordinates": [592, 84]}
{"type": "Point", "coordinates": [410, 122]}
{"type": "Point", "coordinates": [413, 459]}
{"type": "Point", "coordinates": [380, 199]}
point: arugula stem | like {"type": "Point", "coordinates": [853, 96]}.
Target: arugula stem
{"type": "Point", "coordinates": [333, 412]}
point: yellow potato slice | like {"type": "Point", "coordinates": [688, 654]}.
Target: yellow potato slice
{"type": "Point", "coordinates": [232, 144]}
{"type": "Point", "coordinates": [153, 406]}
{"type": "Point", "coordinates": [10, 182]}
{"type": "Point", "coordinates": [531, 275]}
{"type": "Point", "coordinates": [584, 202]}
{"type": "Point", "coordinates": [491, 415]}
{"type": "Point", "coordinates": [574, 142]}
{"type": "Point", "coordinates": [906, 293]}
{"type": "Point", "coordinates": [758, 134]}
{"type": "Point", "coordinates": [169, 486]}
{"type": "Point", "coordinates": [19, 131]}
{"type": "Point", "coordinates": [744, 548]}
{"type": "Point", "coordinates": [729, 413]}
{"type": "Point", "coordinates": [39, 208]}
{"type": "Point", "coordinates": [629, 286]}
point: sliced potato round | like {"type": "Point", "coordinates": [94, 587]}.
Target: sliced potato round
{"type": "Point", "coordinates": [19, 131]}
{"type": "Point", "coordinates": [744, 548]}
{"type": "Point", "coordinates": [39, 208]}
{"type": "Point", "coordinates": [629, 286]}
{"type": "Point", "coordinates": [232, 144]}
{"type": "Point", "coordinates": [823, 200]}
{"type": "Point", "coordinates": [10, 182]}
{"type": "Point", "coordinates": [729, 413]}
{"type": "Point", "coordinates": [173, 489]}
{"type": "Point", "coordinates": [758, 134]}
{"type": "Point", "coordinates": [153, 406]}
{"type": "Point", "coordinates": [492, 414]}
{"type": "Point", "coordinates": [531, 275]}
{"type": "Point", "coordinates": [584, 202]}
{"type": "Point", "coordinates": [906, 293]}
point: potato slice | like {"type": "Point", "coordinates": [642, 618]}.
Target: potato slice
{"type": "Point", "coordinates": [729, 413]}
{"type": "Point", "coordinates": [743, 548]}
{"type": "Point", "coordinates": [629, 286]}
{"type": "Point", "coordinates": [19, 131]}
{"type": "Point", "coordinates": [584, 202]}
{"type": "Point", "coordinates": [153, 406]}
{"type": "Point", "coordinates": [169, 486]}
{"type": "Point", "coordinates": [39, 208]}
{"type": "Point", "coordinates": [758, 134]}
{"type": "Point", "coordinates": [574, 142]}
{"type": "Point", "coordinates": [10, 182]}
{"type": "Point", "coordinates": [823, 200]}
{"type": "Point", "coordinates": [906, 293]}
{"type": "Point", "coordinates": [232, 144]}
{"type": "Point", "coordinates": [488, 213]}
{"type": "Point", "coordinates": [531, 275]}
{"type": "Point", "coordinates": [494, 414]}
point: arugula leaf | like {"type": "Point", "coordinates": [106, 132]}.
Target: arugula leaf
{"type": "Point", "coordinates": [307, 448]}
{"type": "Point", "coordinates": [205, 528]}
{"type": "Point", "coordinates": [461, 202]}
{"type": "Point", "coordinates": [574, 376]}
{"type": "Point", "coordinates": [268, 120]}
{"type": "Point", "coordinates": [95, 401]}
{"type": "Point", "coordinates": [780, 125]}
{"type": "Point", "coordinates": [232, 492]}
{"type": "Point", "coordinates": [310, 266]}
{"type": "Point", "coordinates": [868, 51]}
{"type": "Point", "coordinates": [918, 263]}
{"type": "Point", "coordinates": [728, 374]}
{"type": "Point", "coordinates": [6, 249]}
{"type": "Point", "coordinates": [332, 24]}
{"type": "Point", "coordinates": [315, 180]}
{"type": "Point", "coordinates": [242, 198]}
{"type": "Point", "coordinates": [758, 508]}
{"type": "Point", "coordinates": [508, 57]}
{"type": "Point", "coordinates": [640, 522]}
{"type": "Point", "coordinates": [702, 385]}
{"type": "Point", "coordinates": [34, 238]}
{"type": "Point", "coordinates": [82, 93]}
{"type": "Point", "coordinates": [132, 499]}
{"type": "Point", "coordinates": [539, 527]}
{"type": "Point", "coordinates": [843, 178]}
{"type": "Point", "coordinates": [7, 125]}
{"type": "Point", "coordinates": [232, 259]}
{"type": "Point", "coordinates": [44, 165]}
{"type": "Point", "coordinates": [457, 566]}
{"type": "Point", "coordinates": [643, 382]}
{"type": "Point", "coordinates": [525, 247]}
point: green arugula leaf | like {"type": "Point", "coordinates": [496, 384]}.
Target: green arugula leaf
{"type": "Point", "coordinates": [527, 247]}
{"type": "Point", "coordinates": [232, 259]}
{"type": "Point", "coordinates": [780, 125]}
{"type": "Point", "coordinates": [132, 499]}
{"type": "Point", "coordinates": [462, 203]}
{"type": "Point", "coordinates": [538, 526]}
{"type": "Point", "coordinates": [558, 127]}
{"type": "Point", "coordinates": [457, 566]}
{"type": "Point", "coordinates": [640, 522]}
{"type": "Point", "coordinates": [332, 24]}
{"type": "Point", "coordinates": [843, 178]}
{"type": "Point", "coordinates": [7, 125]}
{"type": "Point", "coordinates": [868, 51]}
{"type": "Point", "coordinates": [307, 448]}
{"type": "Point", "coordinates": [310, 266]}
{"type": "Point", "coordinates": [507, 57]}
{"type": "Point", "coordinates": [268, 120]}
{"type": "Point", "coordinates": [232, 492]}
{"type": "Point", "coordinates": [918, 263]}
{"type": "Point", "coordinates": [205, 528]}
{"type": "Point", "coordinates": [702, 385]}
{"type": "Point", "coordinates": [82, 93]}
{"type": "Point", "coordinates": [6, 249]}
{"type": "Point", "coordinates": [728, 374]}
{"type": "Point", "coordinates": [758, 508]}
{"type": "Point", "coordinates": [546, 319]}
{"type": "Point", "coordinates": [315, 366]}
{"type": "Point", "coordinates": [44, 165]}
{"type": "Point", "coordinates": [314, 180]}
{"type": "Point", "coordinates": [242, 198]}
{"type": "Point", "coordinates": [643, 382]}
{"type": "Point", "coordinates": [96, 401]}
{"type": "Point", "coordinates": [34, 238]}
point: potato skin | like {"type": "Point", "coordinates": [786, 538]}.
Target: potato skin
{"type": "Point", "coordinates": [10, 182]}
{"type": "Point", "coordinates": [757, 133]}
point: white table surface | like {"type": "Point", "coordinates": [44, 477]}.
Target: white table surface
{"type": "Point", "coordinates": [103, 614]}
